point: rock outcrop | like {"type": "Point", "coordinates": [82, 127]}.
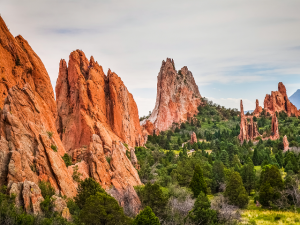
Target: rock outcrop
{"type": "Point", "coordinates": [258, 109]}
{"type": "Point", "coordinates": [28, 195]}
{"type": "Point", "coordinates": [193, 138]}
{"type": "Point", "coordinates": [274, 128]}
{"type": "Point", "coordinates": [278, 101]}
{"type": "Point", "coordinates": [248, 129]}
{"type": "Point", "coordinates": [285, 143]}
{"type": "Point", "coordinates": [30, 147]}
{"type": "Point", "coordinates": [96, 115]}
{"type": "Point", "coordinates": [90, 102]}
{"type": "Point", "coordinates": [177, 97]}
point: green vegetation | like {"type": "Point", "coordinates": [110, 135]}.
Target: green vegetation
{"type": "Point", "coordinates": [67, 159]}
{"type": "Point", "coordinates": [54, 147]}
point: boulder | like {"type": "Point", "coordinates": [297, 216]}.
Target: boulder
{"type": "Point", "coordinates": [177, 98]}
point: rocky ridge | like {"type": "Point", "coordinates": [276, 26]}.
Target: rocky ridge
{"type": "Point", "coordinates": [177, 98]}
{"type": "Point", "coordinates": [278, 101]}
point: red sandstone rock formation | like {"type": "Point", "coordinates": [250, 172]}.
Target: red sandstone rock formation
{"type": "Point", "coordinates": [177, 97]}
{"type": "Point", "coordinates": [285, 143]}
{"type": "Point", "coordinates": [274, 128]}
{"type": "Point", "coordinates": [193, 138]}
{"type": "Point", "coordinates": [258, 109]}
{"type": "Point", "coordinates": [96, 112]}
{"type": "Point", "coordinates": [29, 140]}
{"type": "Point", "coordinates": [278, 101]}
{"type": "Point", "coordinates": [89, 102]}
{"type": "Point", "coordinates": [248, 130]}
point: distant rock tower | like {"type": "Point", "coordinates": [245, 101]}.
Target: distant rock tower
{"type": "Point", "coordinates": [177, 97]}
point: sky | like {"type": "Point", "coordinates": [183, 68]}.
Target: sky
{"type": "Point", "coordinates": [236, 49]}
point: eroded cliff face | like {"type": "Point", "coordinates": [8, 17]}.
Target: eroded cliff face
{"type": "Point", "coordinates": [177, 97]}
{"type": "Point", "coordinates": [278, 101]}
{"type": "Point", "coordinates": [30, 146]}
{"type": "Point", "coordinates": [96, 116]}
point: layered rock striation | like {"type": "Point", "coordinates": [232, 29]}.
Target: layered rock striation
{"type": "Point", "coordinates": [30, 147]}
{"type": "Point", "coordinates": [278, 101]}
{"type": "Point", "coordinates": [177, 97]}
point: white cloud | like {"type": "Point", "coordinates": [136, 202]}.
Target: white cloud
{"type": "Point", "coordinates": [221, 42]}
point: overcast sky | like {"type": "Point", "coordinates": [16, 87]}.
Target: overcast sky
{"type": "Point", "coordinates": [235, 49]}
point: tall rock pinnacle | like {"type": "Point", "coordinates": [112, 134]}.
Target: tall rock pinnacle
{"type": "Point", "coordinates": [177, 97]}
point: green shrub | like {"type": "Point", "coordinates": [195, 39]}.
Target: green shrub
{"type": "Point", "coordinates": [76, 175]}
{"type": "Point", "coordinates": [50, 134]}
{"type": "Point", "coordinates": [67, 159]}
{"type": "Point", "coordinates": [108, 159]}
{"type": "Point", "coordinates": [46, 189]}
{"type": "Point", "coordinates": [54, 147]}
{"type": "Point", "coordinates": [146, 216]}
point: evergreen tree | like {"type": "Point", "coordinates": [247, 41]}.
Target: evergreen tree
{"type": "Point", "coordinates": [248, 176]}
{"type": "Point", "coordinates": [270, 177]}
{"type": "Point", "coordinates": [289, 167]}
{"type": "Point", "coordinates": [85, 189]}
{"type": "Point", "coordinates": [151, 195]}
{"type": "Point", "coordinates": [255, 158]}
{"type": "Point", "coordinates": [236, 161]}
{"type": "Point", "coordinates": [179, 142]}
{"type": "Point", "coordinates": [201, 212]}
{"type": "Point", "coordinates": [146, 217]}
{"type": "Point", "coordinates": [235, 190]}
{"type": "Point", "coordinates": [224, 158]}
{"type": "Point", "coordinates": [197, 183]}
{"type": "Point", "coordinates": [218, 176]}
{"type": "Point", "coordinates": [103, 209]}
{"type": "Point", "coordinates": [279, 158]}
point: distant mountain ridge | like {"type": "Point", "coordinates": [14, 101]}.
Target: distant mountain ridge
{"type": "Point", "coordinates": [295, 98]}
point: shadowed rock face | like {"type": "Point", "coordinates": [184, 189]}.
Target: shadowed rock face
{"type": "Point", "coordinates": [177, 97]}
{"type": "Point", "coordinates": [278, 101]}
{"type": "Point", "coordinates": [96, 115]}
{"type": "Point", "coordinates": [274, 127]}
{"type": "Point", "coordinates": [27, 123]}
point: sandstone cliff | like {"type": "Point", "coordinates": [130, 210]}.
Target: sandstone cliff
{"type": "Point", "coordinates": [97, 118]}
{"type": "Point", "coordinates": [278, 101]}
{"type": "Point", "coordinates": [177, 97]}
{"type": "Point", "coordinates": [30, 146]}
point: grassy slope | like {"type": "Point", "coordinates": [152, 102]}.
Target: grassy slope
{"type": "Point", "coordinates": [257, 215]}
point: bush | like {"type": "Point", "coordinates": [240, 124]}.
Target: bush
{"type": "Point", "coordinates": [46, 189]}
{"type": "Point", "coordinates": [87, 188]}
{"type": "Point", "coordinates": [146, 216]}
{"type": "Point", "coordinates": [67, 159]}
{"type": "Point", "coordinates": [102, 208]}
{"type": "Point", "coordinates": [54, 147]}
{"type": "Point", "coordinates": [201, 212]}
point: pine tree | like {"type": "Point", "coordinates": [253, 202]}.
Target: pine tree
{"type": "Point", "coordinates": [218, 176]}
{"type": "Point", "coordinates": [248, 176]}
{"type": "Point", "coordinates": [235, 190]}
{"type": "Point", "coordinates": [179, 142]}
{"type": "Point", "coordinates": [201, 212]}
{"type": "Point", "coordinates": [255, 158]}
{"type": "Point", "coordinates": [146, 216]}
{"type": "Point", "coordinates": [197, 183]}
{"type": "Point", "coordinates": [289, 167]}
{"type": "Point", "coordinates": [224, 158]}
{"type": "Point", "coordinates": [279, 158]}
